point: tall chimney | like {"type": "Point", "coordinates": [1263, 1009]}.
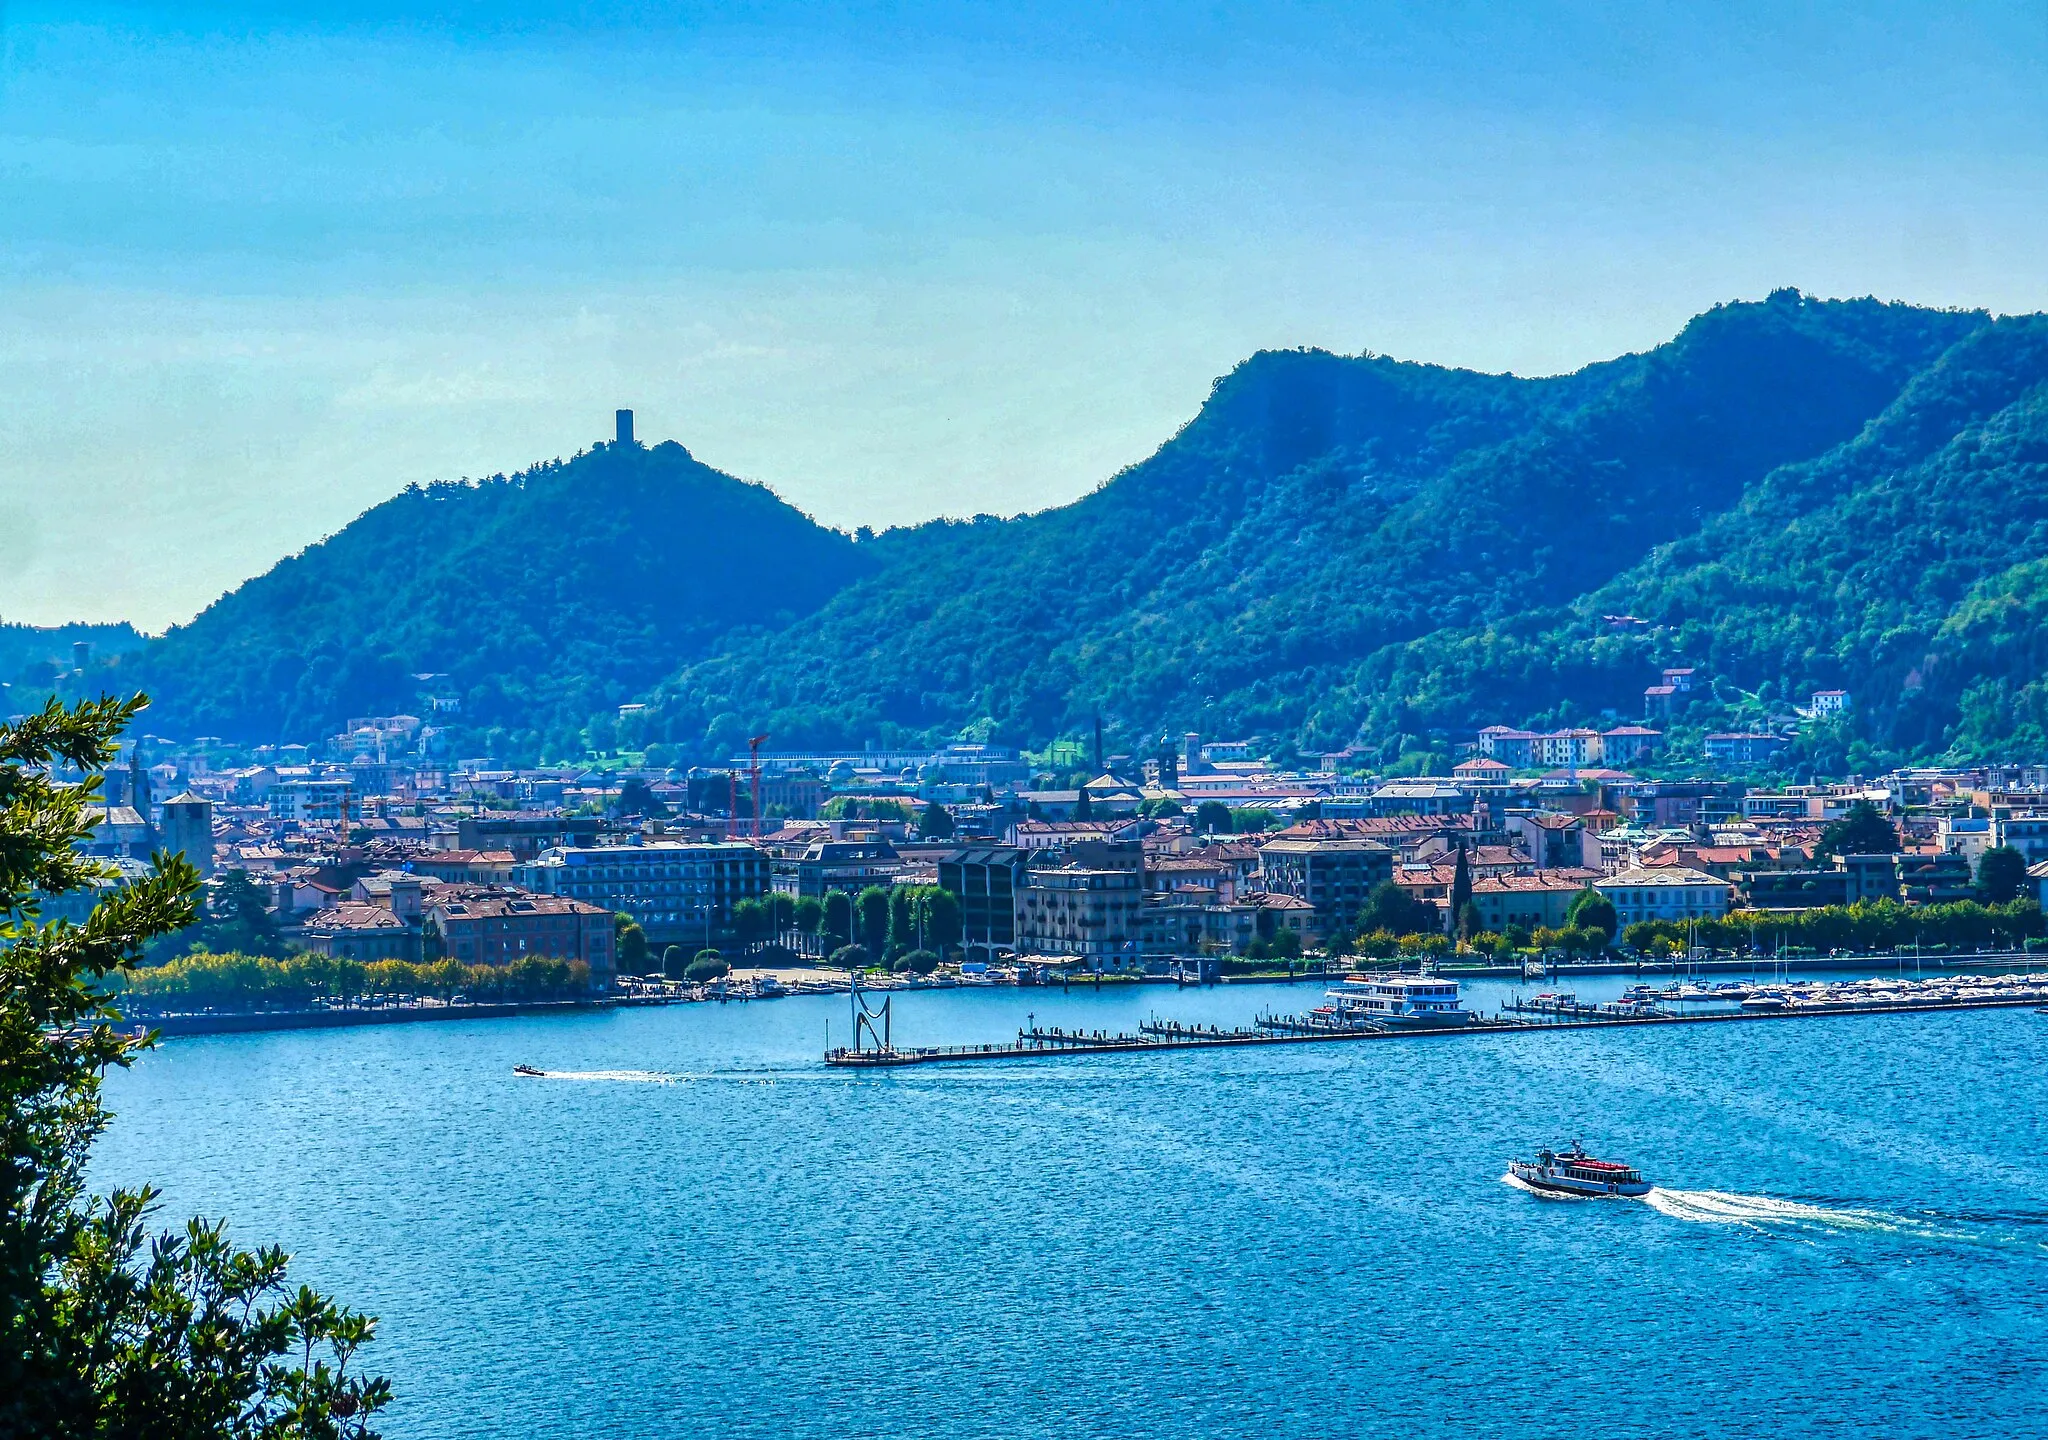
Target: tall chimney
{"type": "Point", "coordinates": [625, 427]}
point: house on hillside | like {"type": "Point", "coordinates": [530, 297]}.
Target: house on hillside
{"type": "Point", "coordinates": [1743, 747]}
{"type": "Point", "coordinates": [1574, 748]}
{"type": "Point", "coordinates": [1626, 744]}
{"type": "Point", "coordinates": [1513, 748]}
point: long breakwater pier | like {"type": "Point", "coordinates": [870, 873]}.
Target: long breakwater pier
{"type": "Point", "coordinates": [1037, 1042]}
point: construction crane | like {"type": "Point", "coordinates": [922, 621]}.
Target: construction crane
{"type": "Point", "coordinates": [754, 776]}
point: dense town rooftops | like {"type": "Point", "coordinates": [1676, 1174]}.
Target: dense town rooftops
{"type": "Point", "coordinates": [507, 903]}
{"type": "Point", "coordinates": [1324, 845]}
{"type": "Point", "coordinates": [1372, 827]}
{"type": "Point", "coordinates": [1535, 882]}
{"type": "Point", "coordinates": [1661, 875]}
{"type": "Point", "coordinates": [353, 916]}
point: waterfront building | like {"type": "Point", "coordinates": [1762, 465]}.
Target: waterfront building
{"type": "Point", "coordinates": [827, 865]}
{"type": "Point", "coordinates": [1553, 839]}
{"type": "Point", "coordinates": [119, 830]}
{"type": "Point", "coordinates": [1334, 875]}
{"type": "Point", "coordinates": [2026, 833]}
{"type": "Point", "coordinates": [1182, 924]}
{"type": "Point", "coordinates": [1419, 797]}
{"type": "Point", "coordinates": [1626, 744]}
{"type": "Point", "coordinates": [525, 833]}
{"type": "Point", "coordinates": [310, 801]}
{"type": "Point", "coordinates": [475, 867]}
{"type": "Point", "coordinates": [986, 880]}
{"type": "Point", "coordinates": [1665, 892]}
{"type": "Point", "coordinates": [493, 926]}
{"type": "Point", "coordinates": [76, 906]}
{"type": "Point", "coordinates": [1090, 911]}
{"type": "Point", "coordinates": [1742, 747]}
{"type": "Point", "coordinates": [1534, 901]}
{"type": "Point", "coordinates": [1055, 834]}
{"type": "Point", "coordinates": [361, 932]}
{"type": "Point", "coordinates": [680, 894]}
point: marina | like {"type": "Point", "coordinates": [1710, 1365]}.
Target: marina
{"type": "Point", "coordinates": [1334, 1022]}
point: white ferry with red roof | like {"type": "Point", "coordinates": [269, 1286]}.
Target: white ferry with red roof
{"type": "Point", "coordinates": [1574, 1172]}
{"type": "Point", "coordinates": [1401, 1001]}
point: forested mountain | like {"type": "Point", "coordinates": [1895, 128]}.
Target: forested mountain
{"type": "Point", "coordinates": [544, 597]}
{"type": "Point", "coordinates": [1360, 549]}
{"type": "Point", "coordinates": [31, 654]}
{"type": "Point", "coordinates": [1792, 493]}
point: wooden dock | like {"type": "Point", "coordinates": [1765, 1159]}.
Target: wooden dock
{"type": "Point", "coordinates": [1035, 1044]}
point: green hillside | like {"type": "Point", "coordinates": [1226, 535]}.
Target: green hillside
{"type": "Point", "coordinates": [544, 597]}
{"type": "Point", "coordinates": [1792, 493]}
{"type": "Point", "coordinates": [1899, 565]}
{"type": "Point", "coordinates": [1343, 549]}
{"type": "Point", "coordinates": [33, 657]}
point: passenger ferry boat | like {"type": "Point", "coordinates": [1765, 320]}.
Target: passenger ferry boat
{"type": "Point", "coordinates": [1407, 1001]}
{"type": "Point", "coordinates": [1574, 1172]}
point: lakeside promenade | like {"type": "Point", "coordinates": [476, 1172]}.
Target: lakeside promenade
{"type": "Point", "coordinates": [752, 984]}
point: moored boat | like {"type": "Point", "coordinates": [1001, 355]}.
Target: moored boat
{"type": "Point", "coordinates": [1407, 1001]}
{"type": "Point", "coordinates": [1574, 1172]}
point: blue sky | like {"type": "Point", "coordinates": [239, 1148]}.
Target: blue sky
{"type": "Point", "coordinates": [263, 266]}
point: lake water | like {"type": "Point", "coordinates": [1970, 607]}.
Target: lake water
{"type": "Point", "coordinates": [712, 1234]}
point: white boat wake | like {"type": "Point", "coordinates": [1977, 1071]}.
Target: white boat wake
{"type": "Point", "coordinates": [1769, 1213]}
{"type": "Point", "coordinates": [1717, 1207]}
{"type": "Point", "coordinates": [627, 1077]}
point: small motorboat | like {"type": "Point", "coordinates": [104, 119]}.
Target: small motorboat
{"type": "Point", "coordinates": [529, 1070]}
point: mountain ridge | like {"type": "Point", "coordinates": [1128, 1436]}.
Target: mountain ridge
{"type": "Point", "coordinates": [1331, 550]}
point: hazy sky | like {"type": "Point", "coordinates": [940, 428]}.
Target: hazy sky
{"type": "Point", "coordinates": [260, 267]}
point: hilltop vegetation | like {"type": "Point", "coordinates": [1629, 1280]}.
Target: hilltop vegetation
{"type": "Point", "coordinates": [31, 656]}
{"type": "Point", "coordinates": [1792, 494]}
{"type": "Point", "coordinates": [545, 597]}
{"type": "Point", "coordinates": [1362, 549]}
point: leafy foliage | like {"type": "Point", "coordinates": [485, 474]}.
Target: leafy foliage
{"type": "Point", "coordinates": [630, 938]}
{"type": "Point", "coordinates": [2001, 875]}
{"type": "Point", "coordinates": [1866, 926]}
{"type": "Point", "coordinates": [1391, 910]}
{"type": "Point", "coordinates": [236, 919]}
{"type": "Point", "coordinates": [708, 965]}
{"type": "Point", "coordinates": [258, 982]}
{"type": "Point", "coordinates": [1863, 830]}
{"type": "Point", "coordinates": [1590, 910]}
{"type": "Point", "coordinates": [110, 1330]}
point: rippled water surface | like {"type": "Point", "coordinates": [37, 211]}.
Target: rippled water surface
{"type": "Point", "coordinates": [701, 1231]}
